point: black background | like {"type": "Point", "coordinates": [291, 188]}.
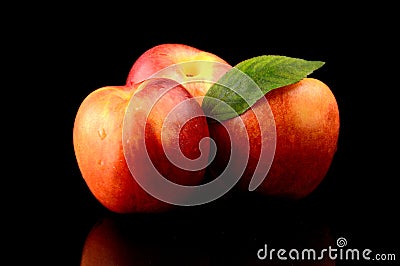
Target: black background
{"type": "Point", "coordinates": [77, 50]}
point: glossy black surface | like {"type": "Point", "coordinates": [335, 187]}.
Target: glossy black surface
{"type": "Point", "coordinates": [358, 200]}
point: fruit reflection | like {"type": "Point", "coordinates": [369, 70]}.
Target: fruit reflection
{"type": "Point", "coordinates": [220, 237]}
{"type": "Point", "coordinates": [113, 242]}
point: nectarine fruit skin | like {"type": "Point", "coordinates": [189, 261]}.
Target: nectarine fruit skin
{"type": "Point", "coordinates": [307, 124]}
{"type": "Point", "coordinates": [97, 141]}
{"type": "Point", "coordinates": [98, 148]}
{"type": "Point", "coordinates": [163, 56]}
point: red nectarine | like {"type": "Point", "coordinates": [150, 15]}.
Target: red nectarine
{"type": "Point", "coordinates": [195, 69]}
{"type": "Point", "coordinates": [306, 116]}
{"type": "Point", "coordinates": [97, 141]}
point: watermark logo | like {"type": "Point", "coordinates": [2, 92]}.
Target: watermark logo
{"type": "Point", "coordinates": [341, 242]}
{"type": "Point", "coordinates": [144, 170]}
{"type": "Point", "coordinates": [339, 252]}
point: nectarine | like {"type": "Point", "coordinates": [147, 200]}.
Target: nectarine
{"type": "Point", "coordinates": [187, 65]}
{"type": "Point", "coordinates": [306, 117]}
{"type": "Point", "coordinates": [100, 152]}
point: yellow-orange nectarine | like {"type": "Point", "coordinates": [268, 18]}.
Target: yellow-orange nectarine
{"type": "Point", "coordinates": [306, 117]}
{"type": "Point", "coordinates": [97, 141]}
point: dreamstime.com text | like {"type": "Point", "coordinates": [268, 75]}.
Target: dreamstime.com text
{"type": "Point", "coordinates": [340, 252]}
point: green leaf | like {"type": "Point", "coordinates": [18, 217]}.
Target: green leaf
{"type": "Point", "coordinates": [238, 89]}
